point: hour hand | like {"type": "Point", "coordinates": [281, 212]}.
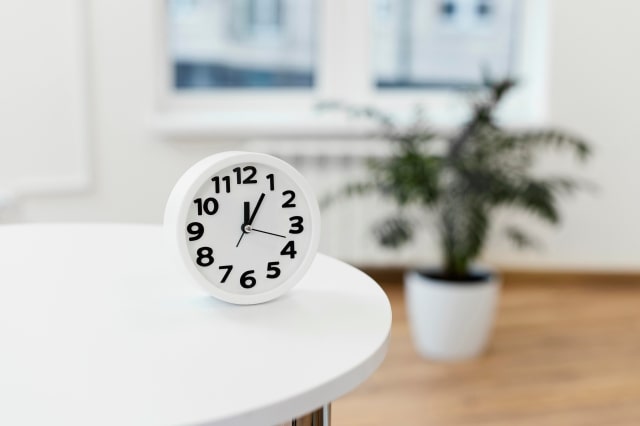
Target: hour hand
{"type": "Point", "coordinates": [245, 221]}
{"type": "Point", "coordinates": [247, 213]}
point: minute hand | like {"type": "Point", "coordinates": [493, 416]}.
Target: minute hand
{"type": "Point", "coordinates": [253, 214]}
{"type": "Point", "coordinates": [270, 233]}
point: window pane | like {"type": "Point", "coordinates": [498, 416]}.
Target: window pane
{"type": "Point", "coordinates": [442, 43]}
{"type": "Point", "coordinates": [242, 43]}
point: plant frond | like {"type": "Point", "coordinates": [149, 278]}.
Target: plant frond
{"type": "Point", "coordinates": [536, 197]}
{"type": "Point", "coordinates": [564, 185]}
{"type": "Point", "coordinates": [519, 238]}
{"type": "Point", "coordinates": [409, 177]}
{"type": "Point", "coordinates": [394, 231]}
{"type": "Point", "coordinates": [380, 117]}
{"type": "Point", "coordinates": [540, 138]}
{"type": "Point", "coordinates": [500, 87]}
{"type": "Point", "coordinates": [347, 191]}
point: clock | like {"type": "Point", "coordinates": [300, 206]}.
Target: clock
{"type": "Point", "coordinates": [244, 225]}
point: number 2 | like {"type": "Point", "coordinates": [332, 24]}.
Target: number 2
{"type": "Point", "coordinates": [289, 202]}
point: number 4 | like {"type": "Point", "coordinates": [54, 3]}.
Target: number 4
{"type": "Point", "coordinates": [289, 249]}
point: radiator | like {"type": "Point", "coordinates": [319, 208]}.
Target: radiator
{"type": "Point", "coordinates": [347, 223]}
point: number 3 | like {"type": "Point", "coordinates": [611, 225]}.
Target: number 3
{"type": "Point", "coordinates": [296, 225]}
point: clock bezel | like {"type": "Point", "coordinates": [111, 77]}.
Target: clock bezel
{"type": "Point", "coordinates": [180, 200]}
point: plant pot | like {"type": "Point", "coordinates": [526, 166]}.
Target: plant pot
{"type": "Point", "coordinates": [451, 320]}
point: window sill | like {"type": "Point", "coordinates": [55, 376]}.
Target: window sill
{"type": "Point", "coordinates": [287, 125]}
{"type": "Point", "coordinates": [257, 125]}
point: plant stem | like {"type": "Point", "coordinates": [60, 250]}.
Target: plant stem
{"type": "Point", "coordinates": [455, 263]}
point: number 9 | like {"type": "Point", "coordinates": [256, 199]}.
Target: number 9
{"type": "Point", "coordinates": [196, 229]}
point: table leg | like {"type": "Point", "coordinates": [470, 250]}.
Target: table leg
{"type": "Point", "coordinates": [319, 417]}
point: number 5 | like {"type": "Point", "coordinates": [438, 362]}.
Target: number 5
{"type": "Point", "coordinates": [273, 268]}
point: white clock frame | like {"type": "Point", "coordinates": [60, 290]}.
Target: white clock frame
{"type": "Point", "coordinates": [181, 198]}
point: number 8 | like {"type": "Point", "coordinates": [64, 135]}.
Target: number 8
{"type": "Point", "coordinates": [205, 256]}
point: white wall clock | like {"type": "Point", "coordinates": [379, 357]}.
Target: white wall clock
{"type": "Point", "coordinates": [245, 225]}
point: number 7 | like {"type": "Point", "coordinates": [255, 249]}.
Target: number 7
{"type": "Point", "coordinates": [227, 269]}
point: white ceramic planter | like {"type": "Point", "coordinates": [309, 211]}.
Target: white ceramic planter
{"type": "Point", "coordinates": [450, 321]}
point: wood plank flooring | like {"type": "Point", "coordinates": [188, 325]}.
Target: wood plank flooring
{"type": "Point", "coordinates": [561, 354]}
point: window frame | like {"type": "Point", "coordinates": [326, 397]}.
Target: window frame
{"type": "Point", "coordinates": [343, 37]}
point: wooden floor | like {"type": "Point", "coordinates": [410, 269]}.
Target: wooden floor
{"type": "Point", "coordinates": [562, 354]}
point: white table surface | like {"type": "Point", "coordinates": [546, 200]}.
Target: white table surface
{"type": "Point", "coordinates": [98, 327]}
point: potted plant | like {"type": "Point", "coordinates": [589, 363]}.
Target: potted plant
{"type": "Point", "coordinates": [458, 181]}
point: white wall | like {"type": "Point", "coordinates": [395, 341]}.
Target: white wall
{"type": "Point", "coordinates": [594, 89]}
{"type": "Point", "coordinates": [133, 170]}
{"type": "Point", "coordinates": [42, 97]}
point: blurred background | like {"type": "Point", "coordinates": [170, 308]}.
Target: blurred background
{"type": "Point", "coordinates": [104, 104]}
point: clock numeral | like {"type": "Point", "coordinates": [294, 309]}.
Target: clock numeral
{"type": "Point", "coordinates": [226, 180]}
{"type": "Point", "coordinates": [289, 202]}
{"type": "Point", "coordinates": [274, 271]}
{"type": "Point", "coordinates": [205, 256]}
{"type": "Point", "coordinates": [296, 225]}
{"type": "Point", "coordinates": [272, 181]}
{"type": "Point", "coordinates": [289, 249]}
{"type": "Point", "coordinates": [207, 206]}
{"type": "Point", "coordinates": [196, 229]}
{"type": "Point", "coordinates": [249, 179]}
{"type": "Point", "coordinates": [247, 280]}
{"type": "Point", "coordinates": [227, 271]}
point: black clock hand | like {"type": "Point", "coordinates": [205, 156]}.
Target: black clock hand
{"type": "Point", "coordinates": [270, 233]}
{"type": "Point", "coordinates": [241, 235]}
{"type": "Point", "coordinates": [247, 213]}
{"type": "Point", "coordinates": [253, 215]}
{"type": "Point", "coordinates": [248, 218]}
{"type": "Point", "coordinates": [245, 221]}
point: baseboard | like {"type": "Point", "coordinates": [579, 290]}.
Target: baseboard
{"type": "Point", "coordinates": [393, 275]}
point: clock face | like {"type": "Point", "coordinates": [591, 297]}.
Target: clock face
{"type": "Point", "coordinates": [248, 227]}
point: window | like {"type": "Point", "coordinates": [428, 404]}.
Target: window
{"type": "Point", "coordinates": [262, 64]}
{"type": "Point", "coordinates": [442, 44]}
{"type": "Point", "coordinates": [216, 44]}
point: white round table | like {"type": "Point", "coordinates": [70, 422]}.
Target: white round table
{"type": "Point", "coordinates": [97, 327]}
